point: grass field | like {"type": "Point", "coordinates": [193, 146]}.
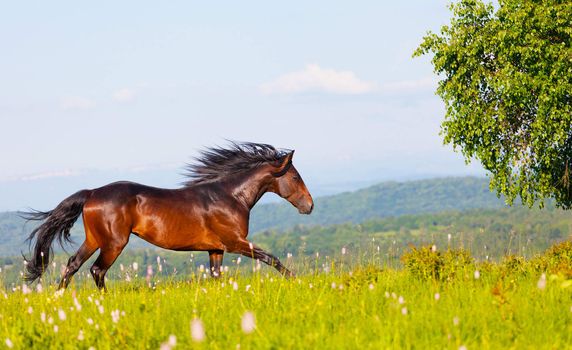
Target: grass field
{"type": "Point", "coordinates": [438, 301]}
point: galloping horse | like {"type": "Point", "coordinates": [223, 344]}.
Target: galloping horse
{"type": "Point", "coordinates": [209, 213]}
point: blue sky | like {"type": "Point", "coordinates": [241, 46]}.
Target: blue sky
{"type": "Point", "coordinates": [93, 91]}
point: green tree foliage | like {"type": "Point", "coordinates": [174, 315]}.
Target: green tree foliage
{"type": "Point", "coordinates": [506, 79]}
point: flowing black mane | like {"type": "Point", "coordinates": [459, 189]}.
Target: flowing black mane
{"type": "Point", "coordinates": [216, 163]}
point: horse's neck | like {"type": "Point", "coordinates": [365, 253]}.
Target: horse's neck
{"type": "Point", "coordinates": [249, 188]}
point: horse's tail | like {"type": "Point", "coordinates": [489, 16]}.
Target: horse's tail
{"type": "Point", "coordinates": [58, 223]}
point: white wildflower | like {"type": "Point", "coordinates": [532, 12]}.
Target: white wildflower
{"type": "Point", "coordinates": [541, 282]}
{"type": "Point", "coordinates": [477, 274]}
{"type": "Point", "coordinates": [9, 343]}
{"type": "Point", "coordinates": [115, 316]}
{"type": "Point", "coordinates": [248, 322]}
{"type": "Point", "coordinates": [197, 330]}
{"type": "Point", "coordinates": [80, 336]}
{"type": "Point", "coordinates": [62, 315]}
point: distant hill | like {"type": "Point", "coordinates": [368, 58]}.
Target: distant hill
{"type": "Point", "coordinates": [383, 200]}
{"type": "Point", "coordinates": [388, 199]}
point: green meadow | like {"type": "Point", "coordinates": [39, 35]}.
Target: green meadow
{"type": "Point", "coordinates": [355, 300]}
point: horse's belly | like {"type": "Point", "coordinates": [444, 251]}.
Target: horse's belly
{"type": "Point", "coordinates": [182, 241]}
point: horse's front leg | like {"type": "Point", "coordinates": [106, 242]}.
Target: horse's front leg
{"type": "Point", "coordinates": [215, 259]}
{"type": "Point", "coordinates": [248, 249]}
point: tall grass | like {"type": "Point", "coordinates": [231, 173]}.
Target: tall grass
{"type": "Point", "coordinates": [357, 299]}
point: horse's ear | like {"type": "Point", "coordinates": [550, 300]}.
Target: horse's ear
{"type": "Point", "coordinates": [283, 164]}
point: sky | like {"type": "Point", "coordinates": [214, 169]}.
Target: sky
{"type": "Point", "coordinates": [102, 91]}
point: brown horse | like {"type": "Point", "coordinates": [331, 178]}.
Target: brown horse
{"type": "Point", "coordinates": [210, 213]}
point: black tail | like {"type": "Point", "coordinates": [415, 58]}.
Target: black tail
{"type": "Point", "coordinates": [58, 223]}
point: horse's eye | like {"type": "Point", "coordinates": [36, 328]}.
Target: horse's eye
{"type": "Point", "coordinates": [295, 177]}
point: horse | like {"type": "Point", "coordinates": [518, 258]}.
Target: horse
{"type": "Point", "coordinates": [209, 213]}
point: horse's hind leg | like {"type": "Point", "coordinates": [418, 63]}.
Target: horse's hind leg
{"type": "Point", "coordinates": [103, 262]}
{"type": "Point", "coordinates": [75, 262]}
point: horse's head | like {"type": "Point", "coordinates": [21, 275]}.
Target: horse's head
{"type": "Point", "coordinates": [288, 184]}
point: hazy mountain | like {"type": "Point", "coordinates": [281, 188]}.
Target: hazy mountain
{"type": "Point", "coordinates": [383, 200]}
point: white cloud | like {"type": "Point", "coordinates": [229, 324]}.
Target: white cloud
{"type": "Point", "coordinates": [76, 103]}
{"type": "Point", "coordinates": [316, 79]}
{"type": "Point", "coordinates": [124, 95]}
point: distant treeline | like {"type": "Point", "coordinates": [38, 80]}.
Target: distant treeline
{"type": "Point", "coordinates": [388, 199]}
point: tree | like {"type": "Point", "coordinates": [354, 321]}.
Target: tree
{"type": "Point", "coordinates": [506, 80]}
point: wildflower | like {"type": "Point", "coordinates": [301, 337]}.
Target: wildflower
{"type": "Point", "coordinates": [50, 320]}
{"type": "Point", "coordinates": [371, 286]}
{"type": "Point", "coordinates": [247, 287]}
{"type": "Point", "coordinates": [456, 321]}
{"type": "Point", "coordinates": [333, 285]}
{"type": "Point", "coordinates": [311, 286]}
{"type": "Point", "coordinates": [77, 304]}
{"type": "Point", "coordinates": [9, 343]}
{"type": "Point", "coordinates": [172, 340]}
{"type": "Point", "coordinates": [25, 289]}
{"type": "Point", "coordinates": [238, 261]}
{"type": "Point", "coordinates": [61, 315]}
{"type": "Point", "coordinates": [541, 282]}
{"type": "Point", "coordinates": [449, 237]}
{"type": "Point", "coordinates": [115, 316]}
{"type": "Point", "coordinates": [462, 347]}
{"type": "Point", "coordinates": [248, 322]}
{"type": "Point", "coordinates": [344, 251]}
{"type": "Point", "coordinates": [30, 310]}
{"type": "Point", "coordinates": [202, 268]}
{"type": "Point", "coordinates": [135, 266]}
{"type": "Point", "coordinates": [226, 269]}
{"type": "Point", "coordinates": [477, 274]}
{"type": "Point", "coordinates": [404, 310]}
{"type": "Point", "coordinates": [289, 255]}
{"type": "Point", "coordinates": [80, 335]}
{"type": "Point", "coordinates": [437, 296]}
{"type": "Point", "coordinates": [39, 288]}
{"type": "Point", "coordinates": [433, 248]}
{"type": "Point", "coordinates": [89, 321]}
{"type": "Point", "coordinates": [56, 328]}
{"type": "Point", "coordinates": [401, 300]}
{"type": "Point", "coordinates": [43, 317]}
{"type": "Point", "coordinates": [197, 330]}
{"type": "Point", "coordinates": [121, 267]}
{"type": "Point", "coordinates": [387, 294]}
{"type": "Point", "coordinates": [100, 308]}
